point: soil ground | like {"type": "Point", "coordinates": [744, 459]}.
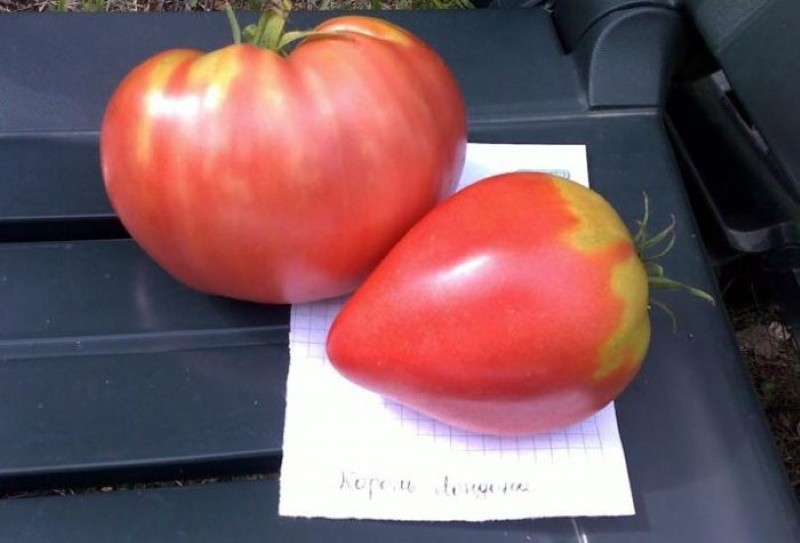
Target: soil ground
{"type": "Point", "coordinates": [769, 348]}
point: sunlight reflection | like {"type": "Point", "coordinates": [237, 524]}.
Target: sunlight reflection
{"type": "Point", "coordinates": [159, 105]}
{"type": "Point", "coordinates": [464, 269]}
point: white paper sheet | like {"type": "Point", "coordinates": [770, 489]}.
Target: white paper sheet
{"type": "Point", "coordinates": [349, 453]}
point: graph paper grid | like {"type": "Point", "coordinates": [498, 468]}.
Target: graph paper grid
{"type": "Point", "coordinates": [310, 324]}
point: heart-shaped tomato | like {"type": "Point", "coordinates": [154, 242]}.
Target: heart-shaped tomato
{"type": "Point", "coordinates": [517, 305]}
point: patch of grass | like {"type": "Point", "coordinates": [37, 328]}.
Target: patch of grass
{"type": "Point", "coordinates": [219, 5]}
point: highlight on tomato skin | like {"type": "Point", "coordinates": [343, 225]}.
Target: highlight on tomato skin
{"type": "Point", "coordinates": [518, 305]}
{"type": "Point", "coordinates": [283, 179]}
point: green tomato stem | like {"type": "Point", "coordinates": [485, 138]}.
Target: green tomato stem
{"type": "Point", "coordinates": [655, 271]}
{"type": "Point", "coordinates": [274, 33]}
{"type": "Point", "coordinates": [236, 30]}
{"type": "Point", "coordinates": [270, 30]}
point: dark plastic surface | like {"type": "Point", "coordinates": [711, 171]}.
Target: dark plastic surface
{"type": "Point", "coordinates": [68, 91]}
{"type": "Point", "coordinates": [167, 381]}
{"type": "Point", "coordinates": [237, 512]}
{"type": "Point", "coordinates": [33, 207]}
{"type": "Point", "coordinates": [32, 161]}
{"type": "Point", "coordinates": [738, 186]}
{"type": "Point", "coordinates": [96, 420]}
{"type": "Point", "coordinates": [574, 18]}
{"type": "Point", "coordinates": [627, 57]}
{"type": "Point", "coordinates": [111, 289]}
{"type": "Point", "coordinates": [736, 131]}
{"type": "Point", "coordinates": [756, 42]}
{"type": "Point", "coordinates": [107, 362]}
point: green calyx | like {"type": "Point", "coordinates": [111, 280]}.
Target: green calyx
{"type": "Point", "coordinates": [652, 248]}
{"type": "Point", "coordinates": [269, 32]}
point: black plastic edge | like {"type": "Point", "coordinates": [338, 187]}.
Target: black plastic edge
{"type": "Point", "coordinates": [80, 478]}
{"type": "Point", "coordinates": [54, 229]}
{"type": "Point", "coordinates": [729, 172]}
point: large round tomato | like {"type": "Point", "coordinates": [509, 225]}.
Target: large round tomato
{"type": "Point", "coordinates": [273, 179]}
{"type": "Point", "coordinates": [517, 305]}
